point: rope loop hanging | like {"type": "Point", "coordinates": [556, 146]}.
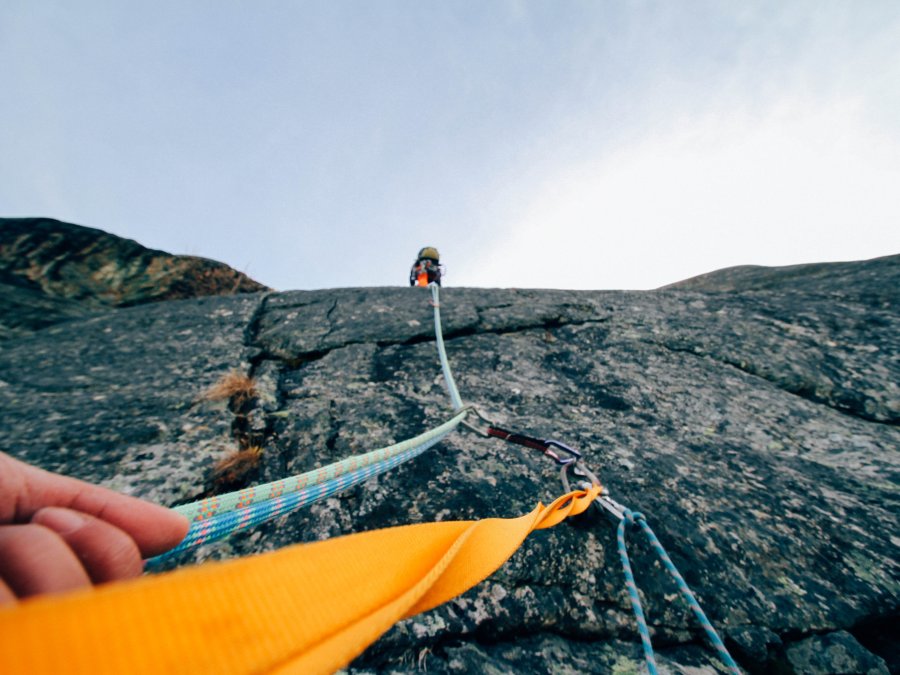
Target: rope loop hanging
{"type": "Point", "coordinates": [631, 519]}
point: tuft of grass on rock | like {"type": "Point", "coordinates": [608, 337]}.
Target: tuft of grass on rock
{"type": "Point", "coordinates": [234, 386]}
{"type": "Point", "coordinates": [236, 469]}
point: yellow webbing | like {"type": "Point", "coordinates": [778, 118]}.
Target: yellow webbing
{"type": "Point", "coordinates": [308, 608]}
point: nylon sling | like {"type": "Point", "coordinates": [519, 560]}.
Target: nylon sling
{"type": "Point", "coordinates": [307, 608]}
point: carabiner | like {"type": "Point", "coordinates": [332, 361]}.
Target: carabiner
{"type": "Point", "coordinates": [581, 470]}
{"type": "Point", "coordinates": [472, 427]}
{"type": "Point", "coordinates": [574, 455]}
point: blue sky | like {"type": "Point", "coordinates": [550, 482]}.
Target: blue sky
{"type": "Point", "coordinates": [606, 144]}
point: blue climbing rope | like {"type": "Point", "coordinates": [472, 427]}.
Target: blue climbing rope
{"type": "Point", "coordinates": [633, 518]}
{"type": "Point", "coordinates": [221, 525]}
{"type": "Point", "coordinates": [635, 600]}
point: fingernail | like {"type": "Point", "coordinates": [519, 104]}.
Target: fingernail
{"type": "Point", "coordinates": [61, 521]}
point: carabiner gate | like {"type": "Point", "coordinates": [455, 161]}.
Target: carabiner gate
{"type": "Point", "coordinates": [573, 457]}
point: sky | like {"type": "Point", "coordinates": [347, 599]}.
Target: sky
{"type": "Point", "coordinates": [609, 144]}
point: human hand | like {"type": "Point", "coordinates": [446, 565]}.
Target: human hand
{"type": "Point", "coordinates": [59, 533]}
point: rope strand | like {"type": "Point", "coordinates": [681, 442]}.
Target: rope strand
{"type": "Point", "coordinates": [442, 352]}
{"type": "Point", "coordinates": [634, 518]}
{"type": "Point", "coordinates": [217, 517]}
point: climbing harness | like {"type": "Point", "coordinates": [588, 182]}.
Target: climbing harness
{"type": "Point", "coordinates": [427, 269]}
{"type": "Point", "coordinates": [425, 272]}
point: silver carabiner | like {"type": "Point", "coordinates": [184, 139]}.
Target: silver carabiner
{"type": "Point", "coordinates": [573, 458]}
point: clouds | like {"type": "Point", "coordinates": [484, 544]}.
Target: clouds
{"type": "Point", "coordinates": [322, 144]}
{"type": "Point", "coordinates": [785, 149]}
{"type": "Point", "coordinates": [802, 181]}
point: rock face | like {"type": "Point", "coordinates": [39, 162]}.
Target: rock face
{"type": "Point", "coordinates": [756, 430]}
{"type": "Point", "coordinates": [52, 271]}
{"type": "Point", "coordinates": [878, 277]}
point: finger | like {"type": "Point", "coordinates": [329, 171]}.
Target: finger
{"type": "Point", "coordinates": [155, 529]}
{"type": "Point", "coordinates": [35, 560]}
{"type": "Point", "coordinates": [106, 552]}
{"type": "Point", "coordinates": [7, 597]}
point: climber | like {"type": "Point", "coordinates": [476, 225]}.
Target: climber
{"type": "Point", "coordinates": [58, 533]}
{"type": "Point", "coordinates": [427, 268]}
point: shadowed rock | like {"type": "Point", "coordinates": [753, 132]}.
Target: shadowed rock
{"type": "Point", "coordinates": [756, 430]}
{"type": "Point", "coordinates": [52, 271]}
{"type": "Point", "coordinates": [837, 652]}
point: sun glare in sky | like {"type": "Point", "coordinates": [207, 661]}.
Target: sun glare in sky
{"type": "Point", "coordinates": [801, 183]}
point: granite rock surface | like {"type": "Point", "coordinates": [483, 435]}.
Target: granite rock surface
{"type": "Point", "coordinates": [757, 430]}
{"type": "Point", "coordinates": [872, 279]}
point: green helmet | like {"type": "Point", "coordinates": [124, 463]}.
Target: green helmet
{"type": "Point", "coordinates": [431, 253]}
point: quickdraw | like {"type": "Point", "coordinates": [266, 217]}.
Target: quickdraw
{"type": "Point", "coordinates": [574, 462]}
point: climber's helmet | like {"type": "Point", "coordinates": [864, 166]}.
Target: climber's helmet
{"type": "Point", "coordinates": [430, 253]}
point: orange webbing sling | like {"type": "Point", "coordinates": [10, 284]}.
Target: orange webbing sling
{"type": "Point", "coordinates": [308, 608]}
